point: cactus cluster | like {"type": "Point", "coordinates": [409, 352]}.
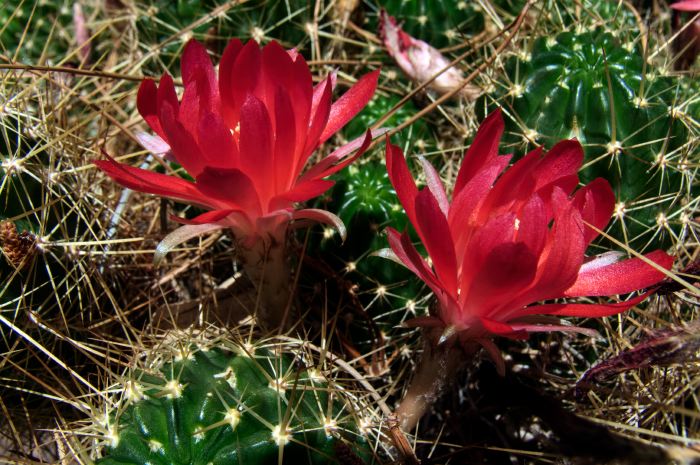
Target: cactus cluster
{"type": "Point", "coordinates": [48, 230]}
{"type": "Point", "coordinates": [228, 405]}
{"type": "Point", "coordinates": [91, 341]}
{"type": "Point", "coordinates": [592, 87]}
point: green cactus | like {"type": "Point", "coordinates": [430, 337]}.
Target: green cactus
{"type": "Point", "coordinates": [32, 29]}
{"type": "Point", "coordinates": [366, 202]}
{"type": "Point", "coordinates": [46, 282]}
{"type": "Point", "coordinates": [165, 25]}
{"type": "Point", "coordinates": [439, 23]}
{"type": "Point", "coordinates": [584, 14]}
{"type": "Point", "coordinates": [592, 87]}
{"type": "Point", "coordinates": [218, 406]}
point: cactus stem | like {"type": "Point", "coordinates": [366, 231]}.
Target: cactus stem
{"type": "Point", "coordinates": [438, 366]}
{"type": "Point", "coordinates": [266, 264]}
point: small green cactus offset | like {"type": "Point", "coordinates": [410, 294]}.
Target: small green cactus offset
{"type": "Point", "coordinates": [233, 405]}
{"type": "Point", "coordinates": [366, 201]}
{"type": "Point", "coordinates": [591, 87]}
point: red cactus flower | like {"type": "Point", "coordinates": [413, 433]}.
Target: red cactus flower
{"type": "Point", "coordinates": [245, 137]}
{"type": "Point", "coordinates": [511, 238]}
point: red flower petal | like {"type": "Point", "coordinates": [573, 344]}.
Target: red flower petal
{"type": "Point", "coordinates": [584, 310]}
{"type": "Point", "coordinates": [350, 104]}
{"type": "Point", "coordinates": [256, 146]}
{"type": "Point", "coordinates": [339, 159]}
{"type": "Point", "coordinates": [562, 256]}
{"type": "Point", "coordinates": [483, 150]}
{"type": "Point", "coordinates": [319, 118]}
{"type": "Point", "coordinates": [147, 104]}
{"type": "Point", "coordinates": [596, 202]}
{"type": "Point", "coordinates": [320, 87]}
{"type": "Point", "coordinates": [283, 71]}
{"type": "Point", "coordinates": [276, 68]}
{"type": "Point", "coordinates": [532, 225]}
{"type": "Point", "coordinates": [433, 228]}
{"type": "Point", "coordinates": [300, 89]}
{"type": "Point", "coordinates": [245, 78]}
{"type": "Point", "coordinates": [184, 147]}
{"type": "Point", "coordinates": [205, 218]}
{"type": "Point", "coordinates": [401, 179]}
{"type": "Point", "coordinates": [166, 94]}
{"type": "Point", "coordinates": [562, 161]}
{"type": "Point", "coordinates": [435, 186]}
{"type": "Point", "coordinates": [231, 187]}
{"type": "Point", "coordinates": [467, 202]}
{"type": "Point", "coordinates": [496, 327]}
{"type": "Point", "coordinates": [621, 277]}
{"type": "Point", "coordinates": [197, 67]}
{"type": "Point", "coordinates": [189, 111]}
{"type": "Point", "coordinates": [227, 82]}
{"type": "Point", "coordinates": [286, 139]}
{"type": "Point", "coordinates": [216, 143]}
{"type": "Point", "coordinates": [152, 183]}
{"type": "Point", "coordinates": [301, 193]}
{"type": "Point", "coordinates": [488, 236]}
{"type": "Point", "coordinates": [507, 271]}
{"type": "Point", "coordinates": [409, 256]}
{"type": "Point", "coordinates": [516, 183]}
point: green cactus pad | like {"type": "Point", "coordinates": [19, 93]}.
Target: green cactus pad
{"type": "Point", "coordinates": [225, 407]}
{"type": "Point", "coordinates": [591, 87]}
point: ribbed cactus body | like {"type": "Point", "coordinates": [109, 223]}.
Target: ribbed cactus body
{"type": "Point", "coordinates": [35, 28]}
{"type": "Point", "coordinates": [220, 407]}
{"type": "Point", "coordinates": [23, 196]}
{"type": "Point", "coordinates": [166, 25]}
{"type": "Point", "coordinates": [440, 23]}
{"type": "Point", "coordinates": [591, 87]}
